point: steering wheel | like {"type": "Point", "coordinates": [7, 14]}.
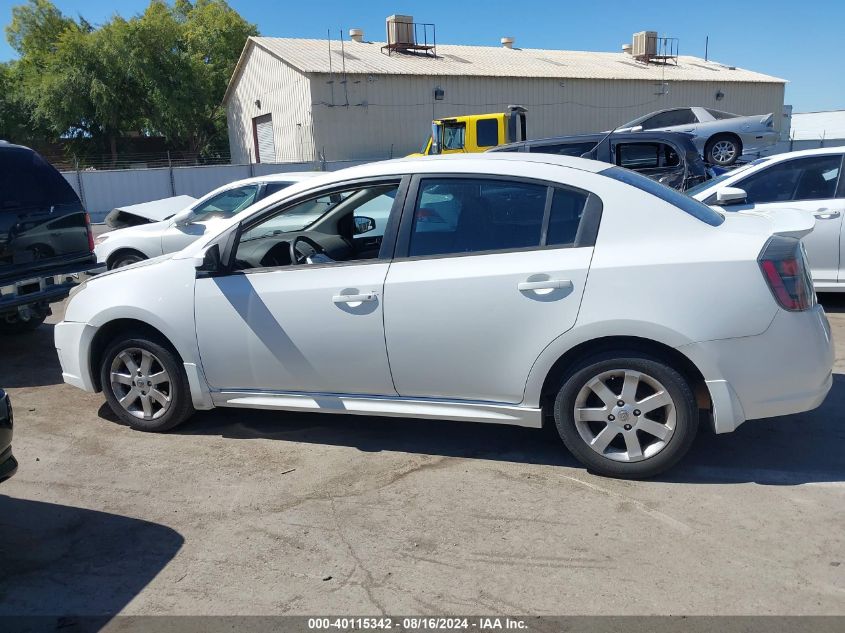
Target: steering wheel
{"type": "Point", "coordinates": [299, 258]}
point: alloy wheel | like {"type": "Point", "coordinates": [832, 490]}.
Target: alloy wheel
{"type": "Point", "coordinates": [625, 415]}
{"type": "Point", "coordinates": [141, 384]}
{"type": "Point", "coordinates": [723, 152]}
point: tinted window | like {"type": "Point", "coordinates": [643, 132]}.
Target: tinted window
{"type": "Point", "coordinates": [719, 115]}
{"type": "Point", "coordinates": [670, 118]}
{"type": "Point", "coordinates": [812, 178]}
{"type": "Point", "coordinates": [458, 215]}
{"type": "Point", "coordinates": [487, 132]}
{"type": "Point", "coordinates": [275, 187]}
{"type": "Point", "coordinates": [564, 149]}
{"type": "Point", "coordinates": [228, 203]}
{"type": "Point", "coordinates": [565, 216]}
{"type": "Point", "coordinates": [27, 180]}
{"type": "Point", "coordinates": [689, 205]}
{"type": "Point", "coordinates": [646, 155]}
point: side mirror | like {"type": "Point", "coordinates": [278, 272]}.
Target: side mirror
{"type": "Point", "coordinates": [183, 218]}
{"type": "Point", "coordinates": [731, 195]}
{"type": "Point", "coordinates": [637, 128]}
{"type": "Point", "coordinates": [363, 224]}
{"type": "Point", "coordinates": [208, 261]}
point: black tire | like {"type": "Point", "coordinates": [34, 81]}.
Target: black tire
{"type": "Point", "coordinates": [180, 407]}
{"type": "Point", "coordinates": [9, 326]}
{"type": "Point", "coordinates": [663, 458]}
{"type": "Point", "coordinates": [125, 258]}
{"type": "Point", "coordinates": [714, 157]}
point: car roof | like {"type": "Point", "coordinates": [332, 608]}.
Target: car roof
{"type": "Point", "coordinates": [285, 176]}
{"type": "Point", "coordinates": [575, 138]}
{"type": "Point", "coordinates": [819, 151]}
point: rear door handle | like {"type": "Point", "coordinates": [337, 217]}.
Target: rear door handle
{"type": "Point", "coordinates": [825, 214]}
{"type": "Point", "coordinates": [368, 296]}
{"type": "Point", "coordinates": [545, 284]}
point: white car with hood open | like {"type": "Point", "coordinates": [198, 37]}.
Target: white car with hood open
{"type": "Point", "coordinates": [497, 288]}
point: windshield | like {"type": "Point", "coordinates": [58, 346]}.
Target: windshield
{"type": "Point", "coordinates": [692, 191]}
{"type": "Point", "coordinates": [297, 218]}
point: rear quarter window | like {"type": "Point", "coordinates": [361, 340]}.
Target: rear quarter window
{"type": "Point", "coordinates": [693, 207]}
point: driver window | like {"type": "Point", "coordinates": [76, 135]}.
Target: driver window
{"type": "Point", "coordinates": [227, 203]}
{"type": "Point", "coordinates": [340, 226]}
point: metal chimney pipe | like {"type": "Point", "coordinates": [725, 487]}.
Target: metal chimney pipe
{"type": "Point", "coordinates": [507, 42]}
{"type": "Point", "coordinates": [356, 35]}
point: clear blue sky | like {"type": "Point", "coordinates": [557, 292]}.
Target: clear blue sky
{"type": "Point", "coordinates": [798, 41]}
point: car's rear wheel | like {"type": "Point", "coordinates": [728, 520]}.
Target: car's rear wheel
{"type": "Point", "coordinates": [626, 415]}
{"type": "Point", "coordinates": [145, 383]}
{"type": "Point", "coordinates": [125, 258]}
{"type": "Point", "coordinates": [723, 150]}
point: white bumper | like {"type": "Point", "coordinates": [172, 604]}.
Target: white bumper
{"type": "Point", "coordinates": [73, 343]}
{"type": "Point", "coordinates": [786, 369]}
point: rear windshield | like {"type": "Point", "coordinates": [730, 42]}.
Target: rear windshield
{"type": "Point", "coordinates": [696, 209]}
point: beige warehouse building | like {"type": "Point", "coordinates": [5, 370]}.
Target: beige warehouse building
{"type": "Point", "coordinates": [305, 100]}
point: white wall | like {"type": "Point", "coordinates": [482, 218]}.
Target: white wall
{"type": "Point", "coordinates": [393, 113]}
{"type": "Point", "coordinates": [283, 92]}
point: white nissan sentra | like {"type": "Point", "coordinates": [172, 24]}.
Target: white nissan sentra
{"type": "Point", "coordinates": [491, 288]}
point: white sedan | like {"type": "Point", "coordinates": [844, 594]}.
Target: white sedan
{"type": "Point", "coordinates": [808, 182]}
{"type": "Point", "coordinates": [503, 288]}
{"type": "Point", "coordinates": [136, 243]}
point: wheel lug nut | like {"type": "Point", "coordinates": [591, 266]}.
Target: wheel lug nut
{"type": "Point", "coordinates": [621, 403]}
{"type": "Point", "coordinates": [636, 411]}
{"type": "Point", "coordinates": [627, 427]}
{"type": "Point", "coordinates": [611, 417]}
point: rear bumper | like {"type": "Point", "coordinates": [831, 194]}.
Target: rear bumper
{"type": "Point", "coordinates": [754, 142]}
{"type": "Point", "coordinates": [45, 286]}
{"type": "Point", "coordinates": [787, 369]}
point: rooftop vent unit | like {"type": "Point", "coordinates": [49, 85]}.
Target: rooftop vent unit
{"type": "Point", "coordinates": [409, 37]}
{"type": "Point", "coordinates": [507, 42]}
{"type": "Point", "coordinates": [648, 47]}
{"type": "Point", "coordinates": [357, 35]}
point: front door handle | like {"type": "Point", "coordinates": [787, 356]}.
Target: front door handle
{"type": "Point", "coordinates": [826, 214]}
{"type": "Point", "coordinates": [545, 284]}
{"type": "Point", "coordinates": [367, 296]}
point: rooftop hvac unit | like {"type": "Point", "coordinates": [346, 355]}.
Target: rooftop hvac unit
{"type": "Point", "coordinates": [400, 31]}
{"type": "Point", "coordinates": [645, 44]}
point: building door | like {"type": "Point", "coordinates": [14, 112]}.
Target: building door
{"type": "Point", "coordinates": [262, 131]}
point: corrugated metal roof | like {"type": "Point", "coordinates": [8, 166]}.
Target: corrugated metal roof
{"type": "Point", "coordinates": [818, 125]}
{"type": "Point", "coordinates": [312, 56]}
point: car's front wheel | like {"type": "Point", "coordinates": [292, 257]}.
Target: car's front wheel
{"type": "Point", "coordinates": [626, 415]}
{"type": "Point", "coordinates": [145, 383]}
{"type": "Point", "coordinates": [723, 150]}
{"type": "Point", "coordinates": [125, 258]}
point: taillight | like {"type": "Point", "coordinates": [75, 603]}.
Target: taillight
{"type": "Point", "coordinates": [90, 232]}
{"type": "Point", "coordinates": [784, 265]}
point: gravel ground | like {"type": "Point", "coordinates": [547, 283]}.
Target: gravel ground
{"type": "Point", "coordinates": [241, 512]}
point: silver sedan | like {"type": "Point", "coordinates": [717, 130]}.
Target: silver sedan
{"type": "Point", "coordinates": [720, 137]}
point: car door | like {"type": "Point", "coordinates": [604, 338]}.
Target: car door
{"type": "Point", "coordinates": [207, 213]}
{"type": "Point", "coordinates": [271, 326]}
{"type": "Point", "coordinates": [809, 184]}
{"type": "Point", "coordinates": [488, 271]}
{"type": "Point", "coordinates": [659, 161]}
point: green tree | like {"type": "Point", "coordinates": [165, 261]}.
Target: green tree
{"type": "Point", "coordinates": [161, 73]}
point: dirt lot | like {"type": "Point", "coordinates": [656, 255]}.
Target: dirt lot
{"type": "Point", "coordinates": [244, 512]}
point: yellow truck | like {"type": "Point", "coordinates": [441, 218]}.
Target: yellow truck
{"type": "Point", "coordinates": [475, 132]}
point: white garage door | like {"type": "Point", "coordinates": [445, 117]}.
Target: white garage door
{"type": "Point", "coordinates": [265, 148]}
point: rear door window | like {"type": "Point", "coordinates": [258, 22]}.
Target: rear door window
{"type": "Point", "coordinates": [469, 215]}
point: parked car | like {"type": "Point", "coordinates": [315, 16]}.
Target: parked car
{"type": "Point", "coordinates": [8, 463]}
{"type": "Point", "coordinates": [147, 212]}
{"type": "Point", "coordinates": [45, 238]}
{"type": "Point", "coordinates": [506, 286]}
{"type": "Point", "coordinates": [810, 181]}
{"type": "Point", "coordinates": [720, 137]}
{"type": "Point", "coordinates": [669, 158]}
{"type": "Point", "coordinates": [173, 233]}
